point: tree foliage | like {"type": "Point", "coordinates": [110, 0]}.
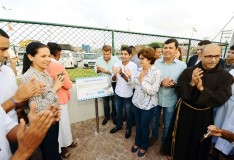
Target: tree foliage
{"type": "Point", "coordinates": [156, 44]}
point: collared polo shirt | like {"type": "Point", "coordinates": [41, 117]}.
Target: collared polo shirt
{"type": "Point", "coordinates": [167, 97]}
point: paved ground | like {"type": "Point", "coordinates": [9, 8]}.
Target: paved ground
{"type": "Point", "coordinates": [106, 146]}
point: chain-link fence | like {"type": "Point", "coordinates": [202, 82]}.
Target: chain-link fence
{"type": "Point", "coordinates": [82, 45]}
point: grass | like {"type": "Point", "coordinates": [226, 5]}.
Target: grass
{"type": "Point", "coordinates": [80, 72]}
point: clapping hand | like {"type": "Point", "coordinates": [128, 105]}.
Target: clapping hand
{"type": "Point", "coordinates": [196, 78]}
{"type": "Point", "coordinates": [59, 82]}
{"type": "Point", "coordinates": [30, 138]}
{"type": "Point", "coordinates": [32, 88]}
{"type": "Point", "coordinates": [167, 82]}
{"type": "Point", "coordinates": [114, 70]}
{"type": "Point", "coordinates": [127, 72]}
{"type": "Point", "coordinates": [196, 75]}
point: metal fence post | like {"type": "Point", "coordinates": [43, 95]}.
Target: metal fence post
{"type": "Point", "coordinates": [187, 55]}
{"type": "Point", "coordinates": [226, 46]}
{"type": "Point", "coordinates": [113, 42]}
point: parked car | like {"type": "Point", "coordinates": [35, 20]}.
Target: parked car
{"type": "Point", "coordinates": [67, 59]}
{"type": "Point", "coordinates": [21, 57]}
{"type": "Point", "coordinates": [78, 59]}
{"type": "Point", "coordinates": [89, 60]}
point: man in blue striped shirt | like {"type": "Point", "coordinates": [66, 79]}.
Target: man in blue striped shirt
{"type": "Point", "coordinates": [103, 67]}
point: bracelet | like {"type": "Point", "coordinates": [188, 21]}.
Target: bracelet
{"type": "Point", "coordinates": [12, 100]}
{"type": "Point", "coordinates": [122, 75]}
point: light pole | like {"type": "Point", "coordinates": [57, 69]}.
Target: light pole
{"type": "Point", "coordinates": [105, 35]}
{"type": "Point", "coordinates": [128, 19]}
{"type": "Point", "coordinates": [193, 30]}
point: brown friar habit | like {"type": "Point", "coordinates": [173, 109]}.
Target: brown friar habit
{"type": "Point", "coordinates": [194, 113]}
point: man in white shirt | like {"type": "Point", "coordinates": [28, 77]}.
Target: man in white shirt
{"type": "Point", "coordinates": [123, 92]}
{"type": "Point", "coordinates": [11, 95]}
{"type": "Point", "coordinates": [28, 139]}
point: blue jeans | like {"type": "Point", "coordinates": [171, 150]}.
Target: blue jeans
{"type": "Point", "coordinates": [167, 116]}
{"type": "Point", "coordinates": [106, 106]}
{"type": "Point", "coordinates": [143, 119]}
{"type": "Point", "coordinates": [127, 103]}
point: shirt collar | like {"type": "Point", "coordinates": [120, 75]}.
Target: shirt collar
{"type": "Point", "coordinates": [174, 60]}
{"type": "Point", "coordinates": [35, 70]}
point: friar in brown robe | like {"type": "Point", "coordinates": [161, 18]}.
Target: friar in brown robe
{"type": "Point", "coordinates": [200, 88]}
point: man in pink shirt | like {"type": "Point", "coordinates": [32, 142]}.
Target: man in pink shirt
{"type": "Point", "coordinates": [55, 69]}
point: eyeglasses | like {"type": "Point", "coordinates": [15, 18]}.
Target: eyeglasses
{"type": "Point", "coordinates": [209, 57]}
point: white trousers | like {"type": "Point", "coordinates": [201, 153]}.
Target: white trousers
{"type": "Point", "coordinates": [65, 135]}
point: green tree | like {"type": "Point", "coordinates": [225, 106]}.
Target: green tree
{"type": "Point", "coordinates": [156, 44]}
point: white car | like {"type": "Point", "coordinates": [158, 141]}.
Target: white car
{"type": "Point", "coordinates": [67, 59]}
{"type": "Point", "coordinates": [89, 60]}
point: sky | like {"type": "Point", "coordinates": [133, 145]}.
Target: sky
{"type": "Point", "coordinates": [161, 17]}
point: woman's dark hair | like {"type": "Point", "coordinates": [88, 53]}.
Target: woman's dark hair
{"type": "Point", "coordinates": [31, 49]}
{"type": "Point", "coordinates": [53, 47]}
{"type": "Point", "coordinates": [148, 53]}
{"type": "Point", "coordinates": [180, 57]}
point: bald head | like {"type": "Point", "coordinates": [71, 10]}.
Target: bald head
{"type": "Point", "coordinates": [211, 47]}
{"type": "Point", "coordinates": [210, 56]}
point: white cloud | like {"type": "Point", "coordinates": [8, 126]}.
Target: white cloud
{"type": "Point", "coordinates": [165, 17]}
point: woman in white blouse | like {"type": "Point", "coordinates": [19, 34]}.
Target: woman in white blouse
{"type": "Point", "coordinates": [36, 60]}
{"type": "Point", "coordinates": [146, 84]}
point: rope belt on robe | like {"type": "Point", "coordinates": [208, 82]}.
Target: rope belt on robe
{"type": "Point", "coordinates": [176, 121]}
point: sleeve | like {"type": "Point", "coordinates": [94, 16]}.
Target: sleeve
{"type": "Point", "coordinates": [218, 96]}
{"type": "Point", "coordinates": [131, 82]}
{"type": "Point", "coordinates": [151, 83]}
{"type": "Point", "coordinates": [183, 87]}
{"type": "Point", "coordinates": [192, 61]}
{"type": "Point", "coordinates": [67, 82]}
{"type": "Point", "coordinates": [9, 122]}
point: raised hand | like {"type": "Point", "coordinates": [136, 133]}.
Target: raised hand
{"type": "Point", "coordinates": [196, 75]}
{"type": "Point", "coordinates": [120, 70]}
{"type": "Point", "coordinates": [142, 75]}
{"type": "Point", "coordinates": [114, 70]}
{"type": "Point", "coordinates": [29, 139]}
{"type": "Point", "coordinates": [59, 82]}
{"type": "Point", "coordinates": [127, 72]}
{"type": "Point", "coordinates": [56, 110]}
{"type": "Point", "coordinates": [14, 60]}
{"type": "Point", "coordinates": [25, 91]}
{"type": "Point", "coordinates": [200, 85]}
